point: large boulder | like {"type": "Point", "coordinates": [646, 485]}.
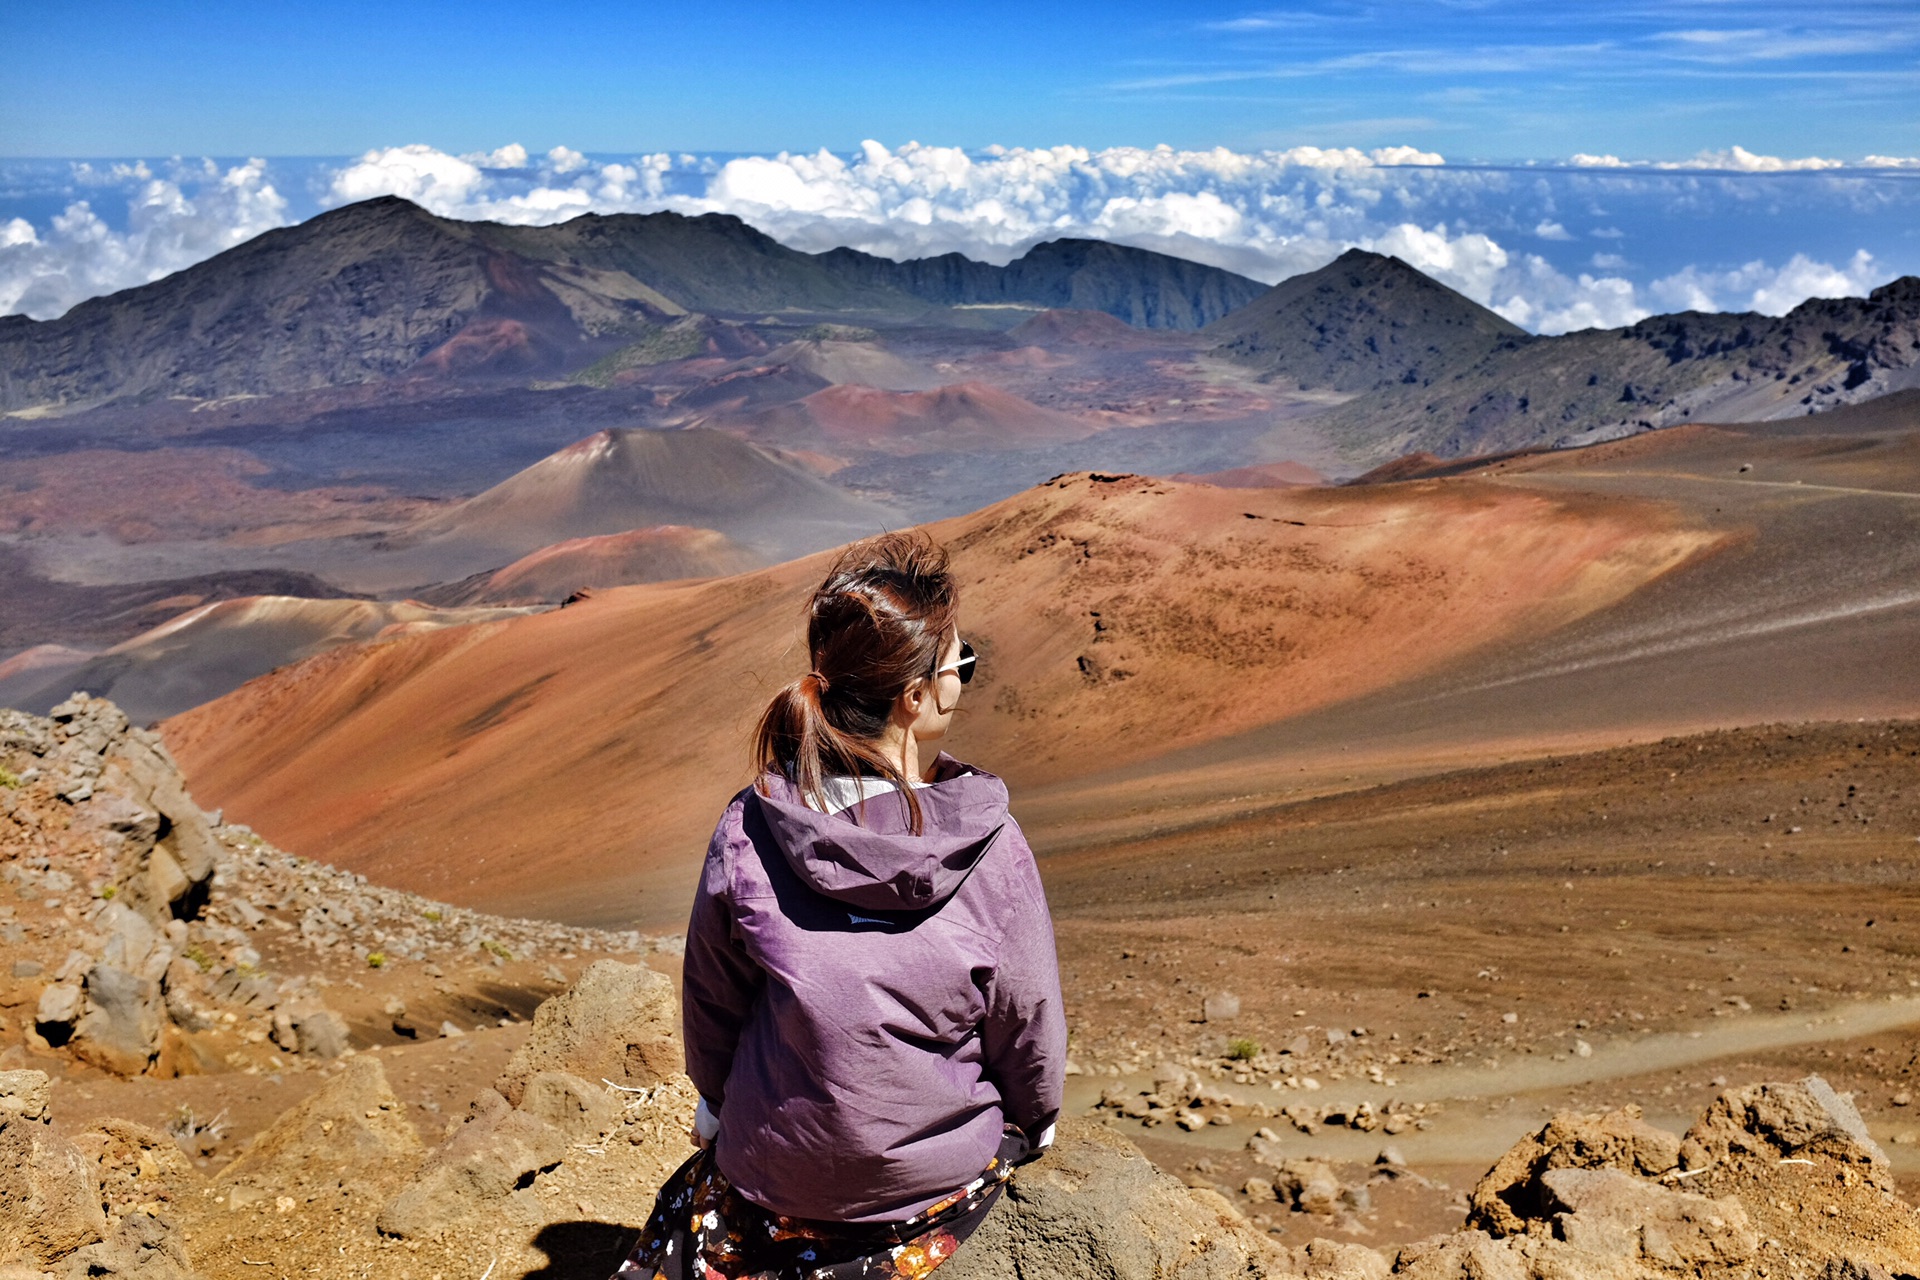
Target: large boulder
{"type": "Point", "coordinates": [167, 854]}
{"type": "Point", "coordinates": [1771, 1172]}
{"type": "Point", "coordinates": [351, 1128]}
{"type": "Point", "coordinates": [120, 1031]}
{"type": "Point", "coordinates": [1797, 1120]}
{"type": "Point", "coordinates": [619, 1022]}
{"type": "Point", "coordinates": [1511, 1194]}
{"type": "Point", "coordinates": [49, 1206]}
{"type": "Point", "coordinates": [488, 1165]}
{"type": "Point", "coordinates": [1617, 1215]}
{"type": "Point", "coordinates": [1094, 1208]}
{"type": "Point", "coordinates": [141, 1246]}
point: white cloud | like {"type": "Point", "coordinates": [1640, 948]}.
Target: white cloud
{"type": "Point", "coordinates": [1266, 214]}
{"type": "Point", "coordinates": [78, 256]}
{"type": "Point", "coordinates": [1740, 160]}
{"type": "Point", "coordinates": [511, 156]}
{"type": "Point", "coordinates": [1771, 290]}
{"type": "Point", "coordinates": [1584, 161]}
{"type": "Point", "coordinates": [417, 173]}
{"type": "Point", "coordinates": [1405, 155]}
{"type": "Point", "coordinates": [1891, 162]}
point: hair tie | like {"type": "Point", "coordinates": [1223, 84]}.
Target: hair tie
{"type": "Point", "coordinates": [819, 683]}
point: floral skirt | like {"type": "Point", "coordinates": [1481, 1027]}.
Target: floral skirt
{"type": "Point", "coordinates": [701, 1229]}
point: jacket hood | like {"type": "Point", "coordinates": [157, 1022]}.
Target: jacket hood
{"type": "Point", "coordinates": [866, 857]}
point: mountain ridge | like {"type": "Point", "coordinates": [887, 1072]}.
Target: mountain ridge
{"type": "Point", "coordinates": [1320, 326]}
{"type": "Point", "coordinates": [383, 287]}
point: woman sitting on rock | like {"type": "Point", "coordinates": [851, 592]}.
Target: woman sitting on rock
{"type": "Point", "coordinates": [872, 1002]}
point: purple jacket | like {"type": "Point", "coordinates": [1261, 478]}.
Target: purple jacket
{"type": "Point", "coordinates": [865, 1007]}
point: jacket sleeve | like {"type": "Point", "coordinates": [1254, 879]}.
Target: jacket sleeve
{"type": "Point", "coordinates": [1025, 1035]}
{"type": "Point", "coordinates": [718, 980]}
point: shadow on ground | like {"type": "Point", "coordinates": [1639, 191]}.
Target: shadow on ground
{"type": "Point", "coordinates": [581, 1250]}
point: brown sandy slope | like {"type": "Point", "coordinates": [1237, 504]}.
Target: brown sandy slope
{"type": "Point", "coordinates": [662, 553]}
{"type": "Point", "coordinates": [1810, 611]}
{"type": "Point", "coordinates": [1265, 475]}
{"type": "Point", "coordinates": [568, 762]}
{"type": "Point", "coordinates": [623, 479]}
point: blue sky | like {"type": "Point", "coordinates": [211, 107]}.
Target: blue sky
{"type": "Point", "coordinates": [1570, 165]}
{"type": "Point", "coordinates": [1474, 79]}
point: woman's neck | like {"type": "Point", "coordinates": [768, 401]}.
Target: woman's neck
{"type": "Point", "coordinates": [901, 747]}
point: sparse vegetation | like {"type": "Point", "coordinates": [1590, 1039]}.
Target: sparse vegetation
{"type": "Point", "coordinates": [1242, 1049]}
{"type": "Point", "coordinates": [8, 778]}
{"type": "Point", "coordinates": [678, 341]}
{"type": "Point", "coordinates": [376, 959]}
{"type": "Point", "coordinates": [839, 333]}
{"type": "Point", "coordinates": [431, 916]}
{"type": "Point", "coordinates": [107, 893]}
{"type": "Point", "coordinates": [198, 954]}
{"type": "Point", "coordinates": [496, 948]}
{"type": "Point", "coordinates": [184, 1127]}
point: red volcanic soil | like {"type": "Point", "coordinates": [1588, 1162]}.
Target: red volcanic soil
{"type": "Point", "coordinates": [1265, 475]}
{"type": "Point", "coordinates": [187, 493]}
{"type": "Point", "coordinates": [572, 762]}
{"type": "Point", "coordinates": [969, 415]}
{"type": "Point", "coordinates": [660, 554]}
{"type": "Point", "coordinates": [485, 345]}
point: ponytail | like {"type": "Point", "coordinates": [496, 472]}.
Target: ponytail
{"type": "Point", "coordinates": [877, 623]}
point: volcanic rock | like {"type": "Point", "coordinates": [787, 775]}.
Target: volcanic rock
{"type": "Point", "coordinates": [1094, 1208]}
{"type": "Point", "coordinates": [1512, 1192]}
{"type": "Point", "coordinates": [1771, 1122]}
{"type": "Point", "coordinates": [48, 1207]}
{"type": "Point", "coordinates": [485, 1166]}
{"type": "Point", "coordinates": [120, 1031]}
{"type": "Point", "coordinates": [352, 1127]}
{"type": "Point", "coordinates": [1615, 1214]}
{"type": "Point", "coordinates": [618, 1022]}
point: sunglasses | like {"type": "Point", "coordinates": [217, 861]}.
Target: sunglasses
{"type": "Point", "coordinates": [962, 668]}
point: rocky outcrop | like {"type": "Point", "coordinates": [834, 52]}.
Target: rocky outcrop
{"type": "Point", "coordinates": [1513, 1193]}
{"type": "Point", "coordinates": [48, 1207]}
{"type": "Point", "coordinates": [347, 1131]}
{"type": "Point", "coordinates": [1777, 1180]}
{"type": "Point", "coordinates": [618, 1022]}
{"type": "Point", "coordinates": [612, 1034]}
{"type": "Point", "coordinates": [190, 944]}
{"type": "Point", "coordinates": [1774, 1179]}
{"type": "Point", "coordinates": [1094, 1208]}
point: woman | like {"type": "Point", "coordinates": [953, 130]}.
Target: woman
{"type": "Point", "coordinates": [871, 1001]}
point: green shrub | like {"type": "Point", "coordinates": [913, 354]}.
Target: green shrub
{"type": "Point", "coordinates": [106, 894]}
{"type": "Point", "coordinates": [496, 948]}
{"type": "Point", "coordinates": [375, 959]}
{"type": "Point", "coordinates": [198, 954]}
{"type": "Point", "coordinates": [431, 916]}
{"type": "Point", "coordinates": [8, 778]}
{"type": "Point", "coordinates": [1243, 1050]}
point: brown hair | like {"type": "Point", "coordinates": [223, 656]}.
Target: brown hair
{"type": "Point", "coordinates": [878, 623]}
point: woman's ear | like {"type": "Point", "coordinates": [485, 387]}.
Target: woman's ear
{"type": "Point", "coordinates": [907, 705]}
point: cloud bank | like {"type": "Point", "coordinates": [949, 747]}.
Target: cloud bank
{"type": "Point", "coordinates": [1552, 248]}
{"type": "Point", "coordinates": [45, 271]}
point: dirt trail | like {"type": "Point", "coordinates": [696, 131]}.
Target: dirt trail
{"type": "Point", "coordinates": [1729, 907]}
{"type": "Point", "coordinates": [1526, 1088]}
